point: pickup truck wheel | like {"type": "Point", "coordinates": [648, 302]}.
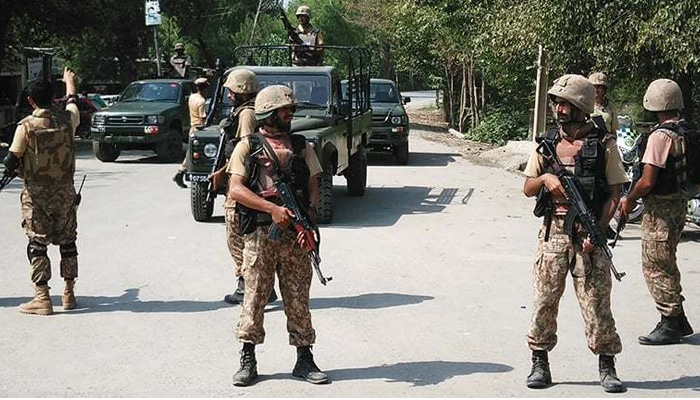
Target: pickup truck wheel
{"type": "Point", "coordinates": [325, 207]}
{"type": "Point", "coordinates": [105, 152]}
{"type": "Point", "coordinates": [201, 209]}
{"type": "Point", "coordinates": [170, 150]}
{"type": "Point", "coordinates": [401, 153]}
{"type": "Point", "coordinates": [356, 173]}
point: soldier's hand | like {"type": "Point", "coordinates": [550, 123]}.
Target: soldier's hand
{"type": "Point", "coordinates": [625, 208]}
{"type": "Point", "coordinates": [68, 75]}
{"type": "Point", "coordinates": [587, 245]}
{"type": "Point", "coordinates": [282, 217]}
{"type": "Point", "coordinates": [217, 178]}
{"type": "Point", "coordinates": [553, 184]}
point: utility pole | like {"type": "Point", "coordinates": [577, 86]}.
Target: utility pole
{"type": "Point", "coordinates": [540, 119]}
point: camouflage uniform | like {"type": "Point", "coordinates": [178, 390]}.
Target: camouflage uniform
{"type": "Point", "coordinates": [48, 214]}
{"type": "Point", "coordinates": [262, 259]}
{"type": "Point", "coordinates": [662, 226]}
{"type": "Point", "coordinates": [592, 284]}
{"type": "Point", "coordinates": [234, 240]}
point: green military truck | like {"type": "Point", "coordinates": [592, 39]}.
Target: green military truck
{"type": "Point", "coordinates": [149, 115]}
{"type": "Point", "coordinates": [337, 122]}
{"type": "Point", "coordinates": [390, 125]}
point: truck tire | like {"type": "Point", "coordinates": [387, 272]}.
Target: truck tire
{"type": "Point", "coordinates": [170, 149]}
{"type": "Point", "coordinates": [105, 152]}
{"type": "Point", "coordinates": [356, 173]}
{"type": "Point", "coordinates": [325, 206]}
{"type": "Point", "coordinates": [401, 153]}
{"type": "Point", "coordinates": [201, 209]}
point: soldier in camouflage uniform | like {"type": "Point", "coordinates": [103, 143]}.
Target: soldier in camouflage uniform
{"type": "Point", "coordinates": [43, 153]}
{"type": "Point", "coordinates": [253, 167]}
{"type": "Point", "coordinates": [603, 106]}
{"type": "Point", "coordinates": [310, 54]}
{"type": "Point", "coordinates": [584, 148]}
{"type": "Point", "coordinates": [659, 181]}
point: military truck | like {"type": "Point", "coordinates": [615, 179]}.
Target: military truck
{"type": "Point", "coordinates": [390, 125]}
{"type": "Point", "coordinates": [149, 115]}
{"type": "Point", "coordinates": [337, 122]}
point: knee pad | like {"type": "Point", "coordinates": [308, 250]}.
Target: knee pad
{"type": "Point", "coordinates": [69, 250]}
{"type": "Point", "coordinates": [35, 250]}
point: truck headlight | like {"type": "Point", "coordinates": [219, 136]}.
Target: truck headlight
{"type": "Point", "coordinates": [396, 120]}
{"type": "Point", "coordinates": [155, 119]}
{"type": "Point", "coordinates": [210, 150]}
{"type": "Point", "coordinates": [98, 119]}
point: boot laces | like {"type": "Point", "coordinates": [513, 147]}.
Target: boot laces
{"type": "Point", "coordinates": [247, 359]}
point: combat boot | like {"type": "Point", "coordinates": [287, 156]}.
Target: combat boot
{"type": "Point", "coordinates": [608, 376]}
{"type": "Point", "coordinates": [684, 325]}
{"type": "Point", "coordinates": [540, 376]}
{"type": "Point", "coordinates": [68, 298]}
{"type": "Point", "coordinates": [249, 366]}
{"type": "Point", "coordinates": [40, 304]}
{"type": "Point", "coordinates": [237, 296]}
{"type": "Point", "coordinates": [666, 332]}
{"type": "Point", "coordinates": [179, 179]}
{"type": "Point", "coordinates": [307, 369]}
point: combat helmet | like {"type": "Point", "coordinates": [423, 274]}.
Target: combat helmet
{"type": "Point", "coordinates": [599, 78]}
{"type": "Point", "coordinates": [575, 89]}
{"type": "Point", "coordinates": [242, 81]}
{"type": "Point", "coordinates": [304, 10]}
{"type": "Point", "coordinates": [272, 98]}
{"type": "Point", "coordinates": [663, 95]}
{"type": "Point", "coordinates": [179, 46]}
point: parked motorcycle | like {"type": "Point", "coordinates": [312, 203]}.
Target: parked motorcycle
{"type": "Point", "coordinates": [628, 144]}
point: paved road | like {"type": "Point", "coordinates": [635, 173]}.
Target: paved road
{"type": "Point", "coordinates": [431, 295]}
{"type": "Point", "coordinates": [419, 99]}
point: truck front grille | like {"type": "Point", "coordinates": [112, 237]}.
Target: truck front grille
{"type": "Point", "coordinates": [125, 120]}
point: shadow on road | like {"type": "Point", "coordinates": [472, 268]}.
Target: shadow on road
{"type": "Point", "coordinates": [420, 373]}
{"type": "Point", "coordinates": [684, 382]}
{"type": "Point", "coordinates": [416, 159]}
{"type": "Point", "coordinates": [383, 206]}
{"type": "Point", "coordinates": [367, 301]}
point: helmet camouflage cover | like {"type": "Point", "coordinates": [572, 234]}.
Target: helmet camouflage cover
{"type": "Point", "coordinates": [663, 95]}
{"type": "Point", "coordinates": [575, 89]}
{"type": "Point", "coordinates": [272, 98]}
{"type": "Point", "coordinates": [304, 10]}
{"type": "Point", "coordinates": [179, 46]}
{"type": "Point", "coordinates": [242, 81]}
{"type": "Point", "coordinates": [599, 78]}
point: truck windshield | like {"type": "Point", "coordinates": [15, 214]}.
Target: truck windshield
{"type": "Point", "coordinates": [383, 93]}
{"type": "Point", "coordinates": [310, 91]}
{"type": "Point", "coordinates": [161, 91]}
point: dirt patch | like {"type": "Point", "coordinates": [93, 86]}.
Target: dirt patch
{"type": "Point", "coordinates": [430, 122]}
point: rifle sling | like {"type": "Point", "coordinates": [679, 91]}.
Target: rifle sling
{"type": "Point", "coordinates": [271, 152]}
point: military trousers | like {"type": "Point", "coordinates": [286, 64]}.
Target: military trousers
{"type": "Point", "coordinates": [49, 217]}
{"type": "Point", "coordinates": [662, 225]}
{"type": "Point", "coordinates": [234, 240]}
{"type": "Point", "coordinates": [557, 258]}
{"type": "Point", "coordinates": [262, 258]}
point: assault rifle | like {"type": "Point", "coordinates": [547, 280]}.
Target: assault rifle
{"type": "Point", "coordinates": [7, 177]}
{"type": "Point", "coordinates": [291, 31]}
{"type": "Point", "coordinates": [301, 224]}
{"type": "Point", "coordinates": [220, 158]}
{"type": "Point", "coordinates": [621, 223]}
{"type": "Point", "coordinates": [578, 211]}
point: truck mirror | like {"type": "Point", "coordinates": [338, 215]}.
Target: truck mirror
{"type": "Point", "coordinates": [406, 100]}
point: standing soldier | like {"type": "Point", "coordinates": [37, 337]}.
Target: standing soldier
{"type": "Point", "coordinates": [43, 153]}
{"type": "Point", "coordinates": [308, 54]}
{"type": "Point", "coordinates": [198, 115]}
{"type": "Point", "coordinates": [242, 87]}
{"type": "Point", "coordinates": [180, 61]}
{"type": "Point", "coordinates": [603, 107]}
{"type": "Point", "coordinates": [659, 180]}
{"type": "Point", "coordinates": [584, 149]}
{"type": "Point", "coordinates": [271, 152]}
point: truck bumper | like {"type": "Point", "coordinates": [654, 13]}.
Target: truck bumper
{"type": "Point", "coordinates": [138, 134]}
{"type": "Point", "coordinates": [388, 136]}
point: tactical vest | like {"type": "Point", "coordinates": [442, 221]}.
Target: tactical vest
{"type": "Point", "coordinates": [231, 126]}
{"type": "Point", "coordinates": [589, 167]}
{"type": "Point", "coordinates": [50, 155]}
{"type": "Point", "coordinates": [682, 172]}
{"type": "Point", "coordinates": [297, 176]}
{"type": "Point", "coordinates": [304, 56]}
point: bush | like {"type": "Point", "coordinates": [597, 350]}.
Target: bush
{"type": "Point", "coordinates": [500, 125]}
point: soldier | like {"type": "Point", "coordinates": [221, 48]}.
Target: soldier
{"type": "Point", "coordinates": [256, 159]}
{"type": "Point", "coordinates": [180, 61]}
{"type": "Point", "coordinates": [43, 153]}
{"type": "Point", "coordinates": [584, 148]}
{"type": "Point", "coordinates": [308, 54]}
{"type": "Point", "coordinates": [198, 115]}
{"type": "Point", "coordinates": [659, 181]}
{"type": "Point", "coordinates": [603, 107]}
{"type": "Point", "coordinates": [242, 88]}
